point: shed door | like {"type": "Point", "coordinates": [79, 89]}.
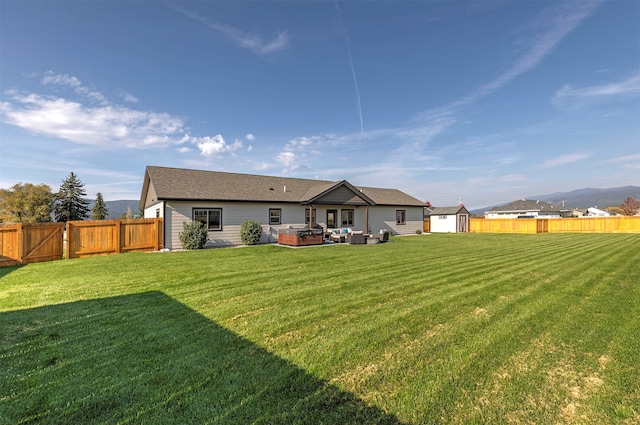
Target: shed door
{"type": "Point", "coordinates": [462, 223]}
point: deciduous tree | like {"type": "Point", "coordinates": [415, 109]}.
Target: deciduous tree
{"type": "Point", "coordinates": [99, 211]}
{"type": "Point", "coordinates": [69, 203]}
{"type": "Point", "coordinates": [630, 206]}
{"type": "Point", "coordinates": [26, 203]}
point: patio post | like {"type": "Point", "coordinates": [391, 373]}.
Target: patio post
{"type": "Point", "coordinates": [366, 221]}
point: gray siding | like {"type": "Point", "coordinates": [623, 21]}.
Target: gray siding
{"type": "Point", "coordinates": [234, 213]}
{"type": "Point", "coordinates": [384, 217]}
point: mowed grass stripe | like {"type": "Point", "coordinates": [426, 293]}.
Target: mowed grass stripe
{"type": "Point", "coordinates": [429, 329]}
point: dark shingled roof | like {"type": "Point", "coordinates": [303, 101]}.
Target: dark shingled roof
{"type": "Point", "coordinates": [185, 184]}
{"type": "Point", "coordinates": [526, 205]}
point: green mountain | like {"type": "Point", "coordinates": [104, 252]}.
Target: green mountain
{"type": "Point", "coordinates": [116, 209]}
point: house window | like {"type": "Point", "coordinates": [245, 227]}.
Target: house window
{"type": "Point", "coordinates": [306, 215]}
{"type": "Point", "coordinates": [211, 217]}
{"type": "Point", "coordinates": [347, 217]}
{"type": "Point", "coordinates": [275, 215]}
{"type": "Point", "coordinates": [401, 217]}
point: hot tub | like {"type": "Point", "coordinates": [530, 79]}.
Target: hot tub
{"type": "Point", "coordinates": [300, 237]}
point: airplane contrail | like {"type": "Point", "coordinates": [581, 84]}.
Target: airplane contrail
{"type": "Point", "coordinates": [353, 70]}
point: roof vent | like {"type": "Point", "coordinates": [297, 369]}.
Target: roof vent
{"type": "Point", "coordinates": [285, 189]}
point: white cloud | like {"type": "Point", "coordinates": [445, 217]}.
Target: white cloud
{"type": "Point", "coordinates": [253, 42]}
{"type": "Point", "coordinates": [568, 96]}
{"type": "Point", "coordinates": [64, 80]}
{"type": "Point", "coordinates": [300, 143]}
{"type": "Point", "coordinates": [250, 137]}
{"type": "Point", "coordinates": [291, 162]}
{"type": "Point", "coordinates": [107, 124]}
{"type": "Point", "coordinates": [264, 166]}
{"type": "Point", "coordinates": [288, 159]}
{"type": "Point", "coordinates": [633, 157]}
{"type": "Point", "coordinates": [128, 97]}
{"type": "Point", "coordinates": [103, 125]}
{"type": "Point", "coordinates": [565, 159]}
{"type": "Point", "coordinates": [214, 146]}
{"type": "Point", "coordinates": [60, 79]}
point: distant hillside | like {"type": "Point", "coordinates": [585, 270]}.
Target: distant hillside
{"type": "Point", "coordinates": [581, 198]}
{"type": "Point", "coordinates": [585, 198]}
{"type": "Point", "coordinates": [117, 209]}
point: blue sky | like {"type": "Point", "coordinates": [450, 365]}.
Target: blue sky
{"type": "Point", "coordinates": [487, 101]}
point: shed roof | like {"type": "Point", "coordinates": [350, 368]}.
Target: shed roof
{"type": "Point", "coordinates": [448, 210]}
{"type": "Point", "coordinates": [186, 184]}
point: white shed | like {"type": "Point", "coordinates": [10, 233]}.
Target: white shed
{"type": "Point", "coordinates": [449, 219]}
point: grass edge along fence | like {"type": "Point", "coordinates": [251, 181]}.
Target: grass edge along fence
{"type": "Point", "coordinates": [30, 243]}
{"type": "Point", "coordinates": [615, 224]}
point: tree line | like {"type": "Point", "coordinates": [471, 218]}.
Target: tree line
{"type": "Point", "coordinates": [29, 203]}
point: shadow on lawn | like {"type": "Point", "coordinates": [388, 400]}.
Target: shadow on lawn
{"type": "Point", "coordinates": [147, 358]}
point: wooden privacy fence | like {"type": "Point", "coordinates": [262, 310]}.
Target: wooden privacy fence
{"type": "Point", "coordinates": [30, 243]}
{"type": "Point", "coordinates": [104, 237]}
{"type": "Point", "coordinates": [616, 224]}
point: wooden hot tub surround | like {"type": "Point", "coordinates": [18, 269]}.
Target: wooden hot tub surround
{"type": "Point", "coordinates": [300, 237]}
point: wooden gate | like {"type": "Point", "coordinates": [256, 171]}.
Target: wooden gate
{"type": "Point", "coordinates": [30, 243]}
{"type": "Point", "coordinates": [41, 242]}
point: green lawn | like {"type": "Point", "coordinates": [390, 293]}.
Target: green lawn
{"type": "Point", "coordinates": [456, 328]}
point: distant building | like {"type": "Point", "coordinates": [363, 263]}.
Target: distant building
{"type": "Point", "coordinates": [595, 212]}
{"type": "Point", "coordinates": [526, 208]}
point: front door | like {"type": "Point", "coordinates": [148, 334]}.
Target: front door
{"type": "Point", "coordinates": [332, 216]}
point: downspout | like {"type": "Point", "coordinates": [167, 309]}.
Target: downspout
{"type": "Point", "coordinates": [164, 224]}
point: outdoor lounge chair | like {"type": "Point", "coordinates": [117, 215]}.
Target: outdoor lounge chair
{"type": "Point", "coordinates": [383, 236]}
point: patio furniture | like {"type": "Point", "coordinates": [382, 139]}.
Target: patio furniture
{"type": "Point", "coordinates": [356, 237]}
{"type": "Point", "coordinates": [383, 236]}
{"type": "Point", "coordinates": [339, 235]}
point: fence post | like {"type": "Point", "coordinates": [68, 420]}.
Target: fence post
{"type": "Point", "coordinates": [67, 235]}
{"type": "Point", "coordinates": [20, 241]}
{"type": "Point", "coordinates": [118, 242]}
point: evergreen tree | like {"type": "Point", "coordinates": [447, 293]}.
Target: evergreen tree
{"type": "Point", "coordinates": [69, 203]}
{"type": "Point", "coordinates": [99, 211]}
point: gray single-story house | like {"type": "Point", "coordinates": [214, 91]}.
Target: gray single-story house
{"type": "Point", "coordinates": [223, 201]}
{"type": "Point", "coordinates": [448, 219]}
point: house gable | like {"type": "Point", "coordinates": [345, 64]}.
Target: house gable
{"type": "Point", "coordinates": [342, 193]}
